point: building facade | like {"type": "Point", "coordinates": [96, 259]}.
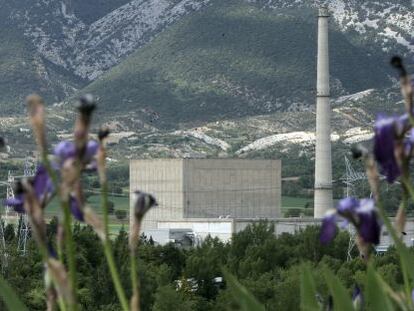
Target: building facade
{"type": "Point", "coordinates": [208, 188]}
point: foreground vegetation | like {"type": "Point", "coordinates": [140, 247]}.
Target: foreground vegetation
{"type": "Point", "coordinates": [188, 279]}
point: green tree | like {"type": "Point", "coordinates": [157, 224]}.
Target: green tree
{"type": "Point", "coordinates": [168, 298]}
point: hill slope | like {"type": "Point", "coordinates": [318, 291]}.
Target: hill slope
{"type": "Point", "coordinates": [233, 59]}
{"type": "Point", "coordinates": [23, 70]}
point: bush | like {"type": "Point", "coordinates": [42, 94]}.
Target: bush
{"type": "Point", "coordinates": [293, 212]}
{"type": "Point", "coordinates": [120, 214]}
{"type": "Point", "coordinates": [111, 208]}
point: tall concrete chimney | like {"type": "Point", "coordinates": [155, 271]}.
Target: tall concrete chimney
{"type": "Point", "coordinates": [323, 161]}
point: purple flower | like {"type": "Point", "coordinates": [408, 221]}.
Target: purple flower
{"type": "Point", "coordinates": [369, 227]}
{"type": "Point", "coordinates": [67, 150]}
{"type": "Point", "coordinates": [357, 298]}
{"type": "Point", "coordinates": [17, 203]}
{"type": "Point", "coordinates": [409, 144]}
{"type": "Point", "coordinates": [362, 214]}
{"type": "Point", "coordinates": [347, 205]}
{"type": "Point", "coordinates": [328, 229]}
{"type": "Point", "coordinates": [384, 144]}
{"type": "Point", "coordinates": [75, 209]}
{"type": "Point", "coordinates": [91, 150]}
{"type": "Point", "coordinates": [42, 186]}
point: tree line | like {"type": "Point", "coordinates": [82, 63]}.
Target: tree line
{"type": "Point", "coordinates": [191, 279]}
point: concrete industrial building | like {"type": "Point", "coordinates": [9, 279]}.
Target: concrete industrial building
{"type": "Point", "coordinates": [323, 160]}
{"type": "Point", "coordinates": [224, 228]}
{"type": "Point", "coordinates": [208, 188]}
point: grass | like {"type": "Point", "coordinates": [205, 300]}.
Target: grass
{"type": "Point", "coordinates": [121, 203]}
{"type": "Point", "coordinates": [294, 202]}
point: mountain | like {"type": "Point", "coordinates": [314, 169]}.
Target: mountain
{"type": "Point", "coordinates": [23, 70]}
{"type": "Point", "coordinates": [201, 78]}
{"type": "Point", "coordinates": [70, 43]}
{"type": "Point", "coordinates": [87, 41]}
{"type": "Point", "coordinates": [232, 59]}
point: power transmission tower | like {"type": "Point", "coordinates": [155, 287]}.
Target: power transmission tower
{"type": "Point", "coordinates": [9, 195]}
{"type": "Point", "coordinates": [23, 224]}
{"type": "Point", "coordinates": [3, 250]}
{"type": "Point", "coordinates": [4, 221]}
{"type": "Point", "coordinates": [350, 178]}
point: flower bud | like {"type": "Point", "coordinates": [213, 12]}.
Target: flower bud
{"type": "Point", "coordinates": [103, 133]}
{"type": "Point", "coordinates": [143, 202]}
{"type": "Point", "coordinates": [359, 151]}
{"type": "Point", "coordinates": [397, 63]}
{"type": "Point", "coordinates": [37, 118]}
{"type": "Point", "coordinates": [86, 105]}
{"type": "Point", "coordinates": [3, 143]}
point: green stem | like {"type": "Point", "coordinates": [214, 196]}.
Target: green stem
{"type": "Point", "coordinates": [411, 118]}
{"type": "Point", "coordinates": [67, 225]}
{"type": "Point", "coordinates": [61, 302]}
{"type": "Point", "coordinates": [49, 169]}
{"type": "Point", "coordinates": [400, 244]}
{"type": "Point", "coordinates": [134, 279]}
{"type": "Point", "coordinates": [70, 250]}
{"type": "Point", "coordinates": [407, 185]}
{"type": "Point", "coordinates": [108, 250]}
{"type": "Point", "coordinates": [133, 271]}
{"type": "Point", "coordinates": [62, 305]}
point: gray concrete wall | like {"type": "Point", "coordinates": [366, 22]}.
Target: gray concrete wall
{"type": "Point", "coordinates": [225, 228]}
{"type": "Point", "coordinates": [202, 228]}
{"type": "Point", "coordinates": [164, 179]}
{"type": "Point", "coordinates": [235, 187]}
{"type": "Point", "coordinates": [281, 225]}
{"type": "Point", "coordinates": [208, 188]}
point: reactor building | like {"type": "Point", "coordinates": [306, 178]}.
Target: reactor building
{"type": "Point", "coordinates": [195, 190]}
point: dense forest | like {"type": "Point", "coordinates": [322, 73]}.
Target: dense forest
{"type": "Point", "coordinates": [191, 279]}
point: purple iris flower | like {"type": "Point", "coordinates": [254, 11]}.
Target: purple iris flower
{"type": "Point", "coordinates": [368, 222]}
{"type": "Point", "coordinates": [347, 205]}
{"type": "Point", "coordinates": [91, 150]}
{"type": "Point", "coordinates": [42, 186]}
{"type": "Point", "coordinates": [362, 214]}
{"type": "Point", "coordinates": [384, 144]}
{"type": "Point", "coordinates": [409, 144]}
{"type": "Point", "coordinates": [67, 150]}
{"type": "Point", "coordinates": [328, 229]}
{"type": "Point", "coordinates": [17, 203]}
{"type": "Point", "coordinates": [357, 298]}
{"type": "Point", "coordinates": [75, 209]}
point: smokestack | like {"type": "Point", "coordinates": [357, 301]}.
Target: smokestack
{"type": "Point", "coordinates": [323, 161]}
